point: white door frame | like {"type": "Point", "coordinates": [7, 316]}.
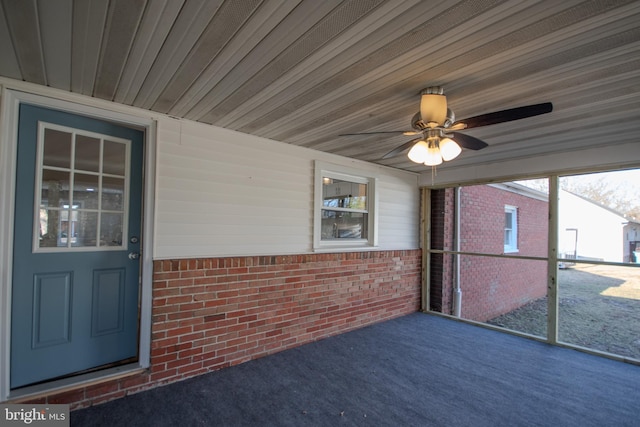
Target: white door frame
{"type": "Point", "coordinates": [9, 104]}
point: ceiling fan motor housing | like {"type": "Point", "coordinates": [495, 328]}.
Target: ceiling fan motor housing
{"type": "Point", "coordinates": [433, 106]}
{"type": "Point", "coordinates": [432, 90]}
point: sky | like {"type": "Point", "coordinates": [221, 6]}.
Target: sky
{"type": "Point", "coordinates": [627, 182]}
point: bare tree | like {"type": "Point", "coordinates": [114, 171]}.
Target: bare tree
{"type": "Point", "coordinates": [621, 197]}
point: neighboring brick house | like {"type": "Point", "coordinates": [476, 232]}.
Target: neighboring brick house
{"type": "Point", "coordinates": [494, 219]}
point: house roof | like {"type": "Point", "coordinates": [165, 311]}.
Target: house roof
{"type": "Point", "coordinates": [522, 190]}
{"type": "Point", "coordinates": [622, 216]}
{"type": "Point", "coordinates": [306, 71]}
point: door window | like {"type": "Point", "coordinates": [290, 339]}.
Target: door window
{"type": "Point", "coordinates": [82, 196]}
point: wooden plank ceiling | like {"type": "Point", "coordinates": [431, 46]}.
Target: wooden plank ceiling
{"type": "Point", "coordinates": [306, 71]}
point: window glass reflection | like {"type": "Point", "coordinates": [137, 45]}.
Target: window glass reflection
{"type": "Point", "coordinates": [343, 225]}
{"type": "Point", "coordinates": [84, 228]}
{"type": "Point", "coordinates": [345, 210]}
{"type": "Point", "coordinates": [57, 148]}
{"type": "Point", "coordinates": [112, 194]}
{"type": "Point", "coordinates": [87, 153]}
{"type": "Point", "coordinates": [114, 158]}
{"type": "Point", "coordinates": [50, 228]}
{"type": "Point", "coordinates": [111, 229]}
{"type": "Point", "coordinates": [54, 188]}
{"type": "Point", "coordinates": [85, 190]}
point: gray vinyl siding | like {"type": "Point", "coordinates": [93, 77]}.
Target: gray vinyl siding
{"type": "Point", "coordinates": [224, 193]}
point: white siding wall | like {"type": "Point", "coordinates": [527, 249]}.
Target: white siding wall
{"type": "Point", "coordinates": [600, 231]}
{"type": "Point", "coordinates": [223, 193]}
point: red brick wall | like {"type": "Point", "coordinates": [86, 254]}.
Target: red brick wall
{"type": "Point", "coordinates": [442, 237]}
{"type": "Point", "coordinates": [490, 286]}
{"type": "Point", "coordinates": [213, 313]}
{"type": "Point", "coordinates": [482, 230]}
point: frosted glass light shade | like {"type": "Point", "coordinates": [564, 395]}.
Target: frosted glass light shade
{"type": "Point", "coordinates": [449, 149]}
{"type": "Point", "coordinates": [433, 155]}
{"type": "Point", "coordinates": [418, 152]}
{"type": "Point", "coordinates": [433, 108]}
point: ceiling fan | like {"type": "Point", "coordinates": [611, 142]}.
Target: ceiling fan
{"type": "Point", "coordinates": [441, 139]}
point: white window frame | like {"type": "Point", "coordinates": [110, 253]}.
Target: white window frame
{"type": "Point", "coordinates": [512, 245]}
{"type": "Point", "coordinates": [42, 126]}
{"type": "Point", "coordinates": [327, 170]}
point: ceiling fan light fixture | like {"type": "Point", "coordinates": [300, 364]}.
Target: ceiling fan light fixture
{"type": "Point", "coordinates": [441, 140]}
{"type": "Point", "coordinates": [449, 149]}
{"type": "Point", "coordinates": [433, 106]}
{"type": "Point", "coordinates": [434, 157]}
{"type": "Point", "coordinates": [418, 152]}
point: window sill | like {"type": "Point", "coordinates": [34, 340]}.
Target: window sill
{"type": "Point", "coordinates": [345, 248]}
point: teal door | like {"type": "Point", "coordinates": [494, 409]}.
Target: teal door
{"type": "Point", "coordinates": [76, 245]}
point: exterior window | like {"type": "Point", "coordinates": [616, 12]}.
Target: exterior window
{"type": "Point", "coordinates": [510, 229]}
{"type": "Point", "coordinates": [344, 214]}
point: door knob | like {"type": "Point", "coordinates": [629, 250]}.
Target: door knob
{"type": "Point", "coordinates": [134, 255]}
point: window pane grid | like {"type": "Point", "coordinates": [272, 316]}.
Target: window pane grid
{"type": "Point", "coordinates": [80, 206]}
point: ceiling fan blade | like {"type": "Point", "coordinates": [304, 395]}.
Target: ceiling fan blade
{"type": "Point", "coordinates": [506, 115]}
{"type": "Point", "coordinates": [467, 141]}
{"type": "Point", "coordinates": [400, 149]}
{"type": "Point", "coordinates": [397, 132]}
